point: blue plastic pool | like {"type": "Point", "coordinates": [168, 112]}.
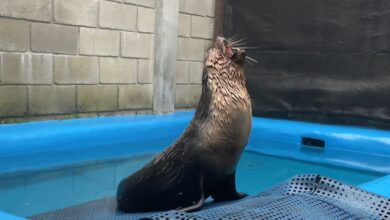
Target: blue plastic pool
{"type": "Point", "coordinates": [83, 159]}
{"type": "Point", "coordinates": [36, 192]}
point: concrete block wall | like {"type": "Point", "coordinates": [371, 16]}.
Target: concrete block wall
{"type": "Point", "coordinates": [69, 58]}
{"type": "Point", "coordinates": [74, 58]}
{"type": "Point", "coordinates": [195, 34]}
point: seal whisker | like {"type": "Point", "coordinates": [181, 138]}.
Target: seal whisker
{"type": "Point", "coordinates": [249, 47]}
{"type": "Point", "coordinates": [251, 59]}
{"type": "Point", "coordinates": [239, 41]}
{"type": "Point", "coordinates": [234, 37]}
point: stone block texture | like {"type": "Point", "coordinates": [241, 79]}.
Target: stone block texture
{"type": "Point", "coordinates": [13, 101]}
{"type": "Point", "coordinates": [54, 38]}
{"type": "Point", "coordinates": [52, 100]}
{"type": "Point", "coordinates": [196, 71]}
{"type": "Point", "coordinates": [135, 97]}
{"type": "Point", "coordinates": [184, 28]}
{"type": "Point", "coordinates": [99, 42]}
{"type": "Point", "coordinates": [26, 69]}
{"type": "Point", "coordinates": [137, 45]}
{"type": "Point", "coordinates": [76, 12]}
{"type": "Point", "coordinates": [198, 7]}
{"type": "Point", "coordinates": [92, 98]}
{"type": "Point", "coordinates": [187, 95]}
{"type": "Point", "coordinates": [146, 19]}
{"type": "Point", "coordinates": [76, 70]}
{"type": "Point", "coordinates": [190, 49]}
{"type": "Point", "coordinates": [195, 36]}
{"type": "Point", "coordinates": [145, 71]}
{"type": "Point", "coordinates": [146, 3]}
{"type": "Point", "coordinates": [93, 57]}
{"type": "Point", "coordinates": [182, 71]}
{"type": "Point", "coordinates": [39, 10]}
{"type": "Point", "coordinates": [14, 35]}
{"type": "Point", "coordinates": [202, 27]}
{"type": "Point", "coordinates": [118, 16]}
{"type": "Point", "coordinates": [118, 71]}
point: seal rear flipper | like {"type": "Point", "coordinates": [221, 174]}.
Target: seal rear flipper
{"type": "Point", "coordinates": [226, 190]}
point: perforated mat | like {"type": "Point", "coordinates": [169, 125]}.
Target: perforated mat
{"type": "Point", "coordinates": [301, 197]}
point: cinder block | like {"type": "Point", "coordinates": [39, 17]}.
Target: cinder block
{"type": "Point", "coordinates": [118, 16]}
{"type": "Point", "coordinates": [147, 3]}
{"type": "Point", "coordinates": [210, 5]}
{"type": "Point", "coordinates": [190, 49]}
{"type": "Point", "coordinates": [76, 70]}
{"type": "Point", "coordinates": [208, 44]}
{"type": "Point", "coordinates": [54, 38]}
{"type": "Point", "coordinates": [202, 27]}
{"type": "Point", "coordinates": [99, 42]}
{"type": "Point", "coordinates": [135, 96]}
{"type": "Point", "coordinates": [196, 71]}
{"type": "Point", "coordinates": [144, 112]}
{"type": "Point", "coordinates": [26, 69]}
{"type": "Point", "coordinates": [14, 35]}
{"type": "Point", "coordinates": [13, 101]}
{"type": "Point", "coordinates": [76, 12]}
{"type": "Point", "coordinates": [145, 71]}
{"type": "Point", "coordinates": [198, 7]}
{"type": "Point", "coordinates": [184, 28]}
{"type": "Point", "coordinates": [114, 70]}
{"type": "Point", "coordinates": [52, 100]}
{"type": "Point", "coordinates": [39, 10]}
{"type": "Point", "coordinates": [97, 98]}
{"type": "Point", "coordinates": [137, 45]}
{"type": "Point", "coordinates": [146, 19]}
{"type": "Point", "coordinates": [182, 72]}
{"type": "Point", "coordinates": [187, 95]}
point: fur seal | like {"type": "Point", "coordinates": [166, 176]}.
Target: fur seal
{"type": "Point", "coordinates": [202, 162]}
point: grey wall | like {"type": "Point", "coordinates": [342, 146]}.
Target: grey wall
{"type": "Point", "coordinates": [326, 61]}
{"type": "Point", "coordinates": [72, 58]}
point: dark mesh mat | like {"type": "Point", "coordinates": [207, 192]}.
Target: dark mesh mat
{"type": "Point", "coordinates": [301, 197]}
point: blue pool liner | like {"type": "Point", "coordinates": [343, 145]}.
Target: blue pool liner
{"type": "Point", "coordinates": [7, 216]}
{"type": "Point", "coordinates": [37, 145]}
{"type": "Point", "coordinates": [380, 186]}
{"type": "Point", "coordinates": [48, 144]}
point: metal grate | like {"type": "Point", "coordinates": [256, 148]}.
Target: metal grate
{"type": "Point", "coordinates": [301, 197]}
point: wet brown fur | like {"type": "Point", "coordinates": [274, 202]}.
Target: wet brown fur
{"type": "Point", "coordinates": [202, 162]}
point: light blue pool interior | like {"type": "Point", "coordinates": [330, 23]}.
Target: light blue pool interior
{"type": "Point", "coordinates": [50, 145]}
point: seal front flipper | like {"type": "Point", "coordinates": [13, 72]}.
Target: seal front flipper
{"type": "Point", "coordinates": [196, 194]}
{"type": "Point", "coordinates": [195, 207]}
{"type": "Point", "coordinates": [226, 190]}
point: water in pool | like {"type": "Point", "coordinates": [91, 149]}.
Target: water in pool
{"type": "Point", "coordinates": [26, 194]}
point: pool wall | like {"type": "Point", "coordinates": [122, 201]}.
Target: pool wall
{"type": "Point", "coordinates": [353, 147]}
{"type": "Point", "coordinates": [49, 144]}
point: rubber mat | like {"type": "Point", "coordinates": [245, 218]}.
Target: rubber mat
{"type": "Point", "coordinates": [301, 197]}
